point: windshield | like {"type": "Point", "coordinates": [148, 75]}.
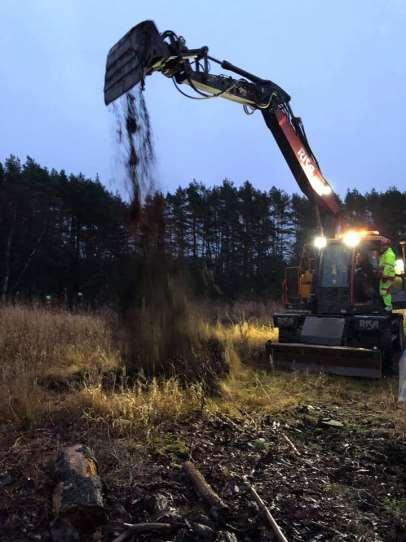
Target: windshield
{"type": "Point", "coordinates": [335, 266]}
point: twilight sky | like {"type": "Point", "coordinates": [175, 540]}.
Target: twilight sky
{"type": "Point", "coordinates": [342, 61]}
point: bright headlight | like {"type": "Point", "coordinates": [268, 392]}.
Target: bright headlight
{"type": "Point", "coordinates": [320, 242]}
{"type": "Point", "coordinates": [400, 267]}
{"type": "Point", "coordinates": [352, 238]}
{"type": "Point", "coordinates": [327, 190]}
{"type": "Point", "coordinates": [320, 186]}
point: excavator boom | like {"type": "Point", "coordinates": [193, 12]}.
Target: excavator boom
{"type": "Point", "coordinates": [143, 51]}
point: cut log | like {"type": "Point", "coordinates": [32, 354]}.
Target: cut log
{"type": "Point", "coordinates": [206, 492]}
{"type": "Point", "coordinates": [78, 495]}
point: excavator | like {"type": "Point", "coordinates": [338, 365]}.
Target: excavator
{"type": "Point", "coordinates": [334, 320]}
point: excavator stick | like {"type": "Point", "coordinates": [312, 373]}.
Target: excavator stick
{"type": "Point", "coordinates": [132, 58]}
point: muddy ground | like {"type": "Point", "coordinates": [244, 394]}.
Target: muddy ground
{"type": "Point", "coordinates": [339, 475]}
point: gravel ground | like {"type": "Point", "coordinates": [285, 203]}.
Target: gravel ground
{"type": "Point", "coordinates": [325, 472]}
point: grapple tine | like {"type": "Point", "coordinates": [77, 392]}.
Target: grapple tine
{"type": "Point", "coordinates": [131, 58]}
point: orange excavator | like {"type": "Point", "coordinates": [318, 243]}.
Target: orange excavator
{"type": "Point", "coordinates": [334, 319]}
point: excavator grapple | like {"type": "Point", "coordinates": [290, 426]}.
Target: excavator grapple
{"type": "Point", "coordinates": [128, 60]}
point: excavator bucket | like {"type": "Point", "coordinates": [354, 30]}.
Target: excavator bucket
{"type": "Point", "coordinates": [131, 58]}
{"type": "Point", "coordinates": [338, 360]}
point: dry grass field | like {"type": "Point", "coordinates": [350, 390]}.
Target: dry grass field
{"type": "Point", "coordinates": [63, 379]}
{"type": "Point", "coordinates": [55, 364]}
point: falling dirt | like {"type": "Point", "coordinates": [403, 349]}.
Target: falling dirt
{"type": "Point", "coordinates": [136, 151]}
{"type": "Point", "coordinates": [140, 159]}
{"type": "Point", "coordinates": [160, 323]}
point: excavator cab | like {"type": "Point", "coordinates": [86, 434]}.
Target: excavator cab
{"type": "Point", "coordinates": [341, 278]}
{"type": "Point", "coordinates": [344, 329]}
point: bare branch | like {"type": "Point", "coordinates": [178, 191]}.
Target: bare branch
{"type": "Point", "coordinates": [267, 514]}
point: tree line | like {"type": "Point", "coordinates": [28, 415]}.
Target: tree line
{"type": "Point", "coordinates": [67, 239]}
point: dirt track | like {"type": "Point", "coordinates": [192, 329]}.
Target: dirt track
{"type": "Point", "coordinates": [344, 478]}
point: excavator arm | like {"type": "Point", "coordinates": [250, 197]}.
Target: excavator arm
{"type": "Point", "coordinates": [143, 51]}
{"type": "Point", "coordinates": [335, 337]}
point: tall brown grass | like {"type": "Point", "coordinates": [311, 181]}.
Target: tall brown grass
{"type": "Point", "coordinates": [36, 344]}
{"type": "Point", "coordinates": [61, 367]}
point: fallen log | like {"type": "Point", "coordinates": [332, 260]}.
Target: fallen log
{"type": "Point", "coordinates": [206, 492]}
{"type": "Point", "coordinates": [267, 514]}
{"type": "Point", "coordinates": [78, 497]}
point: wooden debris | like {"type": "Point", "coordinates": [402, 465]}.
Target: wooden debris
{"type": "Point", "coordinates": [332, 423]}
{"type": "Point", "coordinates": [206, 492]}
{"type": "Point", "coordinates": [287, 439]}
{"type": "Point", "coordinates": [78, 495]}
{"type": "Point", "coordinates": [144, 528]}
{"type": "Point", "coordinates": [267, 514]}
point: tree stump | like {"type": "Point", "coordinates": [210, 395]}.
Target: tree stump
{"type": "Point", "coordinates": [78, 495]}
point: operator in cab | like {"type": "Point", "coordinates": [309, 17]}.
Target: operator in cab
{"type": "Point", "coordinates": [365, 279]}
{"type": "Point", "coordinates": [305, 282]}
{"type": "Point", "coordinates": [387, 260]}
